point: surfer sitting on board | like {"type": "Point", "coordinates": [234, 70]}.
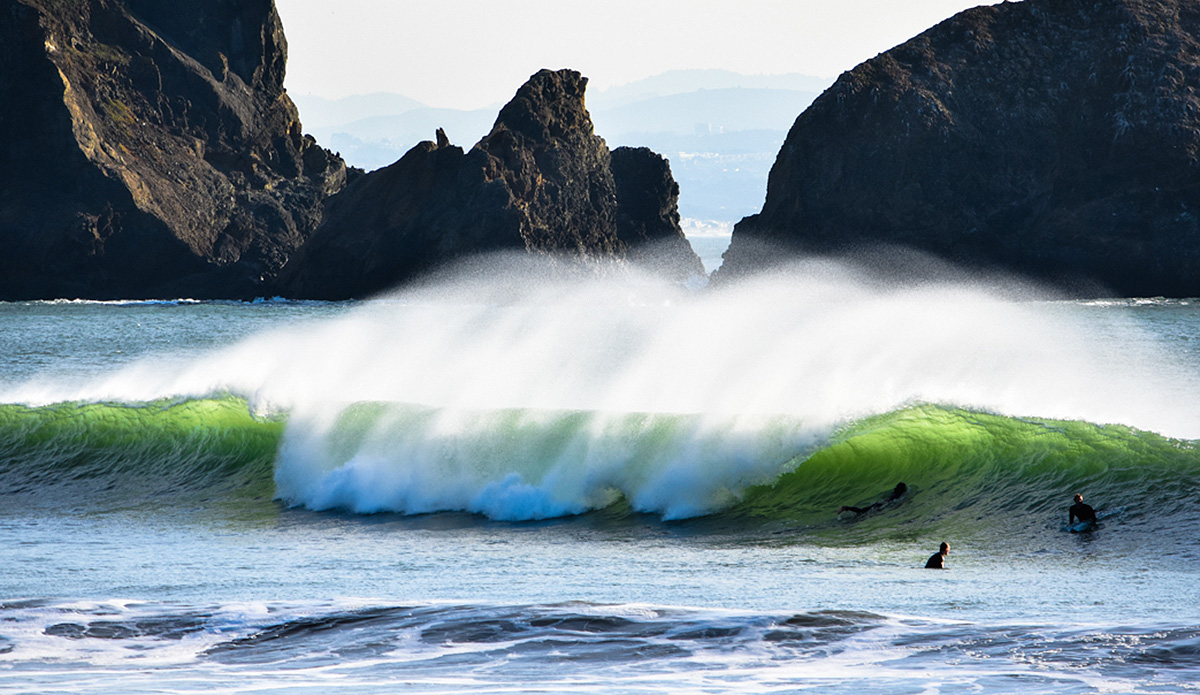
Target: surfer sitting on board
{"type": "Point", "coordinates": [1081, 511]}
{"type": "Point", "coordinates": [937, 561]}
{"type": "Point", "coordinates": [897, 493]}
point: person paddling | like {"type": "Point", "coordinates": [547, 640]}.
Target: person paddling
{"type": "Point", "coordinates": [937, 561]}
{"type": "Point", "coordinates": [1080, 511]}
{"type": "Point", "coordinates": [897, 493]}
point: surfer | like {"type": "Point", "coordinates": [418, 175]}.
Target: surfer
{"type": "Point", "coordinates": [897, 493]}
{"type": "Point", "coordinates": [937, 561]}
{"type": "Point", "coordinates": [1081, 511]}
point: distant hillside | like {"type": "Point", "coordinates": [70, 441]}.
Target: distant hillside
{"type": "Point", "coordinates": [704, 111]}
{"type": "Point", "coordinates": [721, 142]}
{"type": "Point", "coordinates": [320, 112]}
{"type": "Point", "coordinates": [685, 81]}
{"type": "Point", "coordinates": [372, 142]}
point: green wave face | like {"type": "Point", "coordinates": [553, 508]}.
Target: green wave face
{"type": "Point", "coordinates": [136, 453]}
{"type": "Point", "coordinates": [983, 473]}
{"type": "Point", "coordinates": [968, 473]}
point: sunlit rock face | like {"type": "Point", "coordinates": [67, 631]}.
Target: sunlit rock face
{"type": "Point", "coordinates": [149, 150]}
{"type": "Point", "coordinates": [1058, 139]}
{"type": "Point", "coordinates": [541, 182]}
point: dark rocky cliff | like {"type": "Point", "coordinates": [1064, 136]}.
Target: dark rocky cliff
{"type": "Point", "coordinates": [149, 150]}
{"type": "Point", "coordinates": [541, 181]}
{"type": "Point", "coordinates": [1056, 138]}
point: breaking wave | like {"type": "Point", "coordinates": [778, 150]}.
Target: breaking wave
{"type": "Point", "coordinates": [518, 396]}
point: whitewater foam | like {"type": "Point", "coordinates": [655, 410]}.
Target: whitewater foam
{"type": "Point", "coordinates": [529, 464]}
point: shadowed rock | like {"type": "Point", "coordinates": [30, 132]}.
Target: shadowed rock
{"type": "Point", "coordinates": [1059, 139]}
{"type": "Point", "coordinates": [541, 182]}
{"type": "Point", "coordinates": [149, 150]}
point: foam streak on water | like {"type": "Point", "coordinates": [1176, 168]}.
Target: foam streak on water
{"type": "Point", "coordinates": [571, 648]}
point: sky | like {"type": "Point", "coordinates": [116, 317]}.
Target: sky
{"type": "Point", "coordinates": [469, 54]}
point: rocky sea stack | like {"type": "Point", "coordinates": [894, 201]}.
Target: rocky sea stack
{"type": "Point", "coordinates": [1058, 139]}
{"type": "Point", "coordinates": [149, 150]}
{"type": "Point", "coordinates": [541, 182]}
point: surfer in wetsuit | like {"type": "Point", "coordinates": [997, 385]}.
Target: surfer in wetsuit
{"type": "Point", "coordinates": [1080, 511]}
{"type": "Point", "coordinates": [897, 493]}
{"type": "Point", "coordinates": [937, 561]}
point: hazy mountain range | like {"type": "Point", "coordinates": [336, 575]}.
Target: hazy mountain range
{"type": "Point", "coordinates": [720, 130]}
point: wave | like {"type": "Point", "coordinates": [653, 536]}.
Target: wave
{"type": "Point", "coordinates": [522, 464]}
{"type": "Point", "coordinates": [138, 452]}
{"type": "Point", "coordinates": [518, 397]}
{"type": "Point", "coordinates": [964, 469]}
{"type": "Point", "coordinates": [976, 470]}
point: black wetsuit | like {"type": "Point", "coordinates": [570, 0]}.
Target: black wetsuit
{"type": "Point", "coordinates": [936, 561]}
{"type": "Point", "coordinates": [1081, 511]}
{"type": "Point", "coordinates": [895, 494]}
{"type": "Point", "coordinates": [860, 510]}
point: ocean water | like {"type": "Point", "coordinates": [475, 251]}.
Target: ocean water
{"type": "Point", "coordinates": [709, 239]}
{"type": "Point", "coordinates": [524, 483]}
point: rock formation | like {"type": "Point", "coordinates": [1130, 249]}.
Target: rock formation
{"type": "Point", "coordinates": [1059, 139]}
{"type": "Point", "coordinates": [149, 150]}
{"type": "Point", "coordinates": [648, 214]}
{"type": "Point", "coordinates": [541, 181]}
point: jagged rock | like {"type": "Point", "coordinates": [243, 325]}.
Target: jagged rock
{"type": "Point", "coordinates": [648, 213]}
{"type": "Point", "coordinates": [1059, 139]}
{"type": "Point", "coordinates": [541, 181]}
{"type": "Point", "coordinates": [149, 150]}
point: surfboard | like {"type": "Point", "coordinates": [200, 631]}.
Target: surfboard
{"type": "Point", "coordinates": [1080, 526]}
